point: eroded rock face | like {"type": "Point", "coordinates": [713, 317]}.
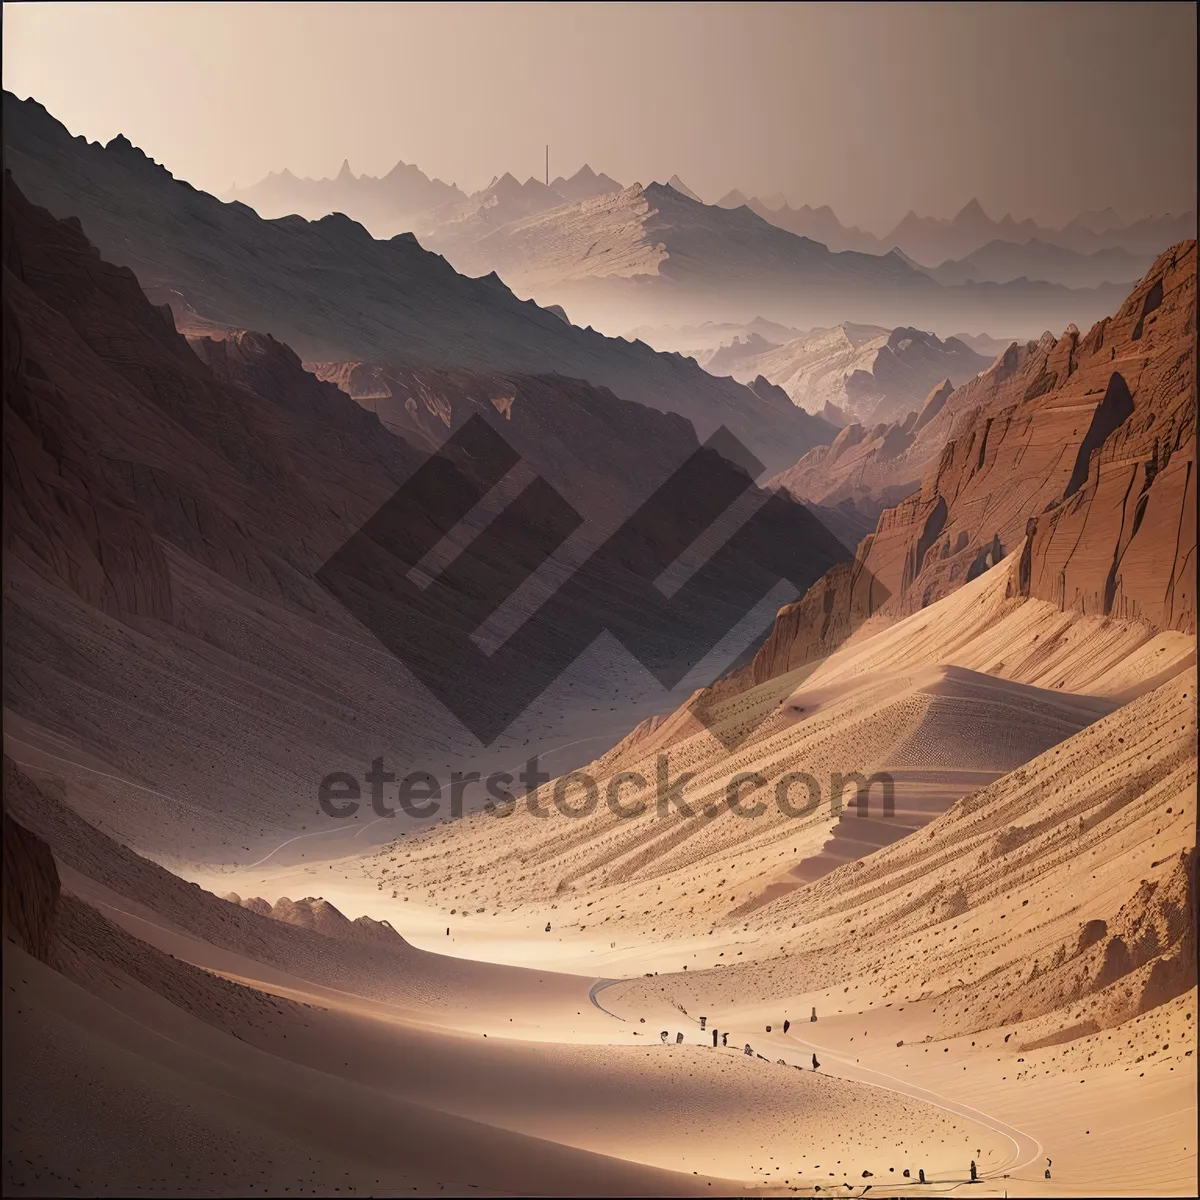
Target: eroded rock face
{"type": "Point", "coordinates": [1123, 543]}
{"type": "Point", "coordinates": [31, 889]}
{"type": "Point", "coordinates": [1079, 449]}
{"type": "Point", "coordinates": [1142, 958]}
{"type": "Point", "coordinates": [317, 914]}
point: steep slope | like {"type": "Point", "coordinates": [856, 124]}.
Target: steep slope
{"type": "Point", "coordinates": [219, 1011]}
{"type": "Point", "coordinates": [1073, 444]}
{"type": "Point", "coordinates": [709, 336]}
{"type": "Point", "coordinates": [1111, 802]}
{"type": "Point", "coordinates": [504, 199]}
{"type": "Point", "coordinates": [167, 509]}
{"type": "Point", "coordinates": [331, 292]}
{"type": "Point", "coordinates": [726, 359]}
{"type": "Point", "coordinates": [682, 188]}
{"type": "Point", "coordinates": [941, 704]}
{"type": "Point", "coordinates": [876, 466]}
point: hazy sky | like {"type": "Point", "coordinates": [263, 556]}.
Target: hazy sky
{"type": "Point", "coordinates": [1040, 110]}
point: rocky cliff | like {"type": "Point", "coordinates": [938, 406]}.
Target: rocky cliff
{"type": "Point", "coordinates": [1079, 449]}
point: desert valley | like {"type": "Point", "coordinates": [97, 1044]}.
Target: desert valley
{"type": "Point", "coordinates": [593, 686]}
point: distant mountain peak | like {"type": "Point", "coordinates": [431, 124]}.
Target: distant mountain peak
{"type": "Point", "coordinates": [585, 184]}
{"type": "Point", "coordinates": [733, 199]}
{"type": "Point", "coordinates": [682, 188]}
{"type": "Point", "coordinates": [345, 175]}
{"type": "Point", "coordinates": [904, 258]}
{"type": "Point", "coordinates": [971, 212]}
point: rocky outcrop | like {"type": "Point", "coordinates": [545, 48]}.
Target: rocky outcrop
{"type": "Point", "coordinates": [934, 403]}
{"type": "Point", "coordinates": [1080, 450]}
{"type": "Point", "coordinates": [1123, 541]}
{"type": "Point", "coordinates": [877, 466]}
{"type": "Point", "coordinates": [31, 890]}
{"type": "Point", "coordinates": [1142, 958]}
{"type": "Point", "coordinates": [317, 914]}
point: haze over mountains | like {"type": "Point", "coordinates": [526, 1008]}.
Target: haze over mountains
{"type": "Point", "coordinates": [896, 882]}
{"type": "Point", "coordinates": [867, 373]}
{"type": "Point", "coordinates": [1093, 248]}
{"type": "Point", "coordinates": [387, 205]}
{"type": "Point", "coordinates": [222, 266]}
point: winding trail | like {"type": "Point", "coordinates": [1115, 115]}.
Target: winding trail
{"type": "Point", "coordinates": [599, 985]}
{"type": "Point", "coordinates": [1026, 1148]}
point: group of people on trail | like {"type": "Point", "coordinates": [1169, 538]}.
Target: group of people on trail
{"type": "Point", "coordinates": [716, 1033]}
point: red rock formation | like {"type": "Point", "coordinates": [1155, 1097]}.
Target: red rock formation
{"type": "Point", "coordinates": [1085, 444]}
{"type": "Point", "coordinates": [31, 890]}
{"type": "Point", "coordinates": [1123, 542]}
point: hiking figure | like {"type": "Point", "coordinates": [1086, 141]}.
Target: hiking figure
{"type": "Point", "coordinates": [678, 1038]}
{"type": "Point", "coordinates": [547, 926]}
{"type": "Point", "coordinates": [748, 1051]}
{"type": "Point", "coordinates": [663, 1036]}
{"type": "Point", "coordinates": [724, 1039]}
{"type": "Point", "coordinates": [921, 1174]}
{"type": "Point", "coordinates": [714, 1039]}
{"type": "Point", "coordinates": [974, 1172]}
{"type": "Point", "coordinates": [786, 1026]}
{"type": "Point", "coordinates": [702, 1021]}
{"type": "Point", "coordinates": [815, 1063]}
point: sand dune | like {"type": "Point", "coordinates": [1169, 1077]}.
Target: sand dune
{"type": "Point", "coordinates": [912, 894]}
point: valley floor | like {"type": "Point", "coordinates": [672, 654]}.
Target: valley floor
{"type": "Point", "coordinates": [173, 1042]}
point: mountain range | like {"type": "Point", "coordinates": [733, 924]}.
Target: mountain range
{"type": "Point", "coordinates": [1000, 262]}
{"type": "Point", "coordinates": [1094, 248]}
{"type": "Point", "coordinates": [973, 943]}
{"type": "Point", "coordinates": [933, 241]}
{"type": "Point", "coordinates": [178, 497]}
{"type": "Point", "coordinates": [651, 255]}
{"type": "Point", "coordinates": [388, 204]}
{"type": "Point", "coordinates": [333, 293]}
